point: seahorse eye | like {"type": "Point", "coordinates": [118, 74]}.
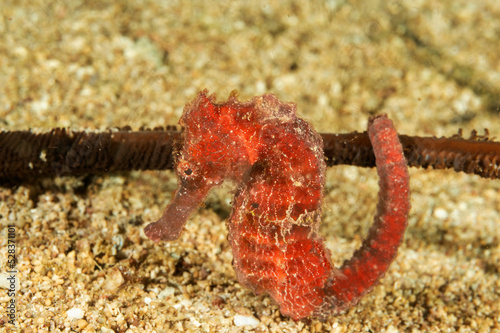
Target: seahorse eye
{"type": "Point", "coordinates": [185, 169]}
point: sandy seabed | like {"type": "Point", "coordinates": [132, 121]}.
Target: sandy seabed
{"type": "Point", "coordinates": [84, 264]}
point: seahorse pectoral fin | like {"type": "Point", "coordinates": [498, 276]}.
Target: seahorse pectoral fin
{"type": "Point", "coordinates": [370, 262]}
{"type": "Point", "coordinates": [171, 224]}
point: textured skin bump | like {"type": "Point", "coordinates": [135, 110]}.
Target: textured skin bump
{"type": "Point", "coordinates": [277, 161]}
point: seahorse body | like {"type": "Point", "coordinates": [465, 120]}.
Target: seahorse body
{"type": "Point", "coordinates": [277, 161]}
{"type": "Point", "coordinates": [277, 210]}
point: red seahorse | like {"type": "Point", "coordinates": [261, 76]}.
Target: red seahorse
{"type": "Point", "coordinates": [277, 161]}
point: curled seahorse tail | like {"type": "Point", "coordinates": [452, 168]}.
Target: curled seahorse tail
{"type": "Point", "coordinates": [369, 263]}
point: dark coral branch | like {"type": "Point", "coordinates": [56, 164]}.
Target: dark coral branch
{"type": "Point", "coordinates": [25, 154]}
{"type": "Point", "coordinates": [476, 155]}
{"type": "Point", "coordinates": [60, 152]}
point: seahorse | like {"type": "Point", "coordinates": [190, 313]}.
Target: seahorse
{"type": "Point", "coordinates": [276, 159]}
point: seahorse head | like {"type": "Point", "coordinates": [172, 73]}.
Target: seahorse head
{"type": "Point", "coordinates": [213, 148]}
{"type": "Point", "coordinates": [224, 140]}
{"type": "Point", "coordinates": [221, 141]}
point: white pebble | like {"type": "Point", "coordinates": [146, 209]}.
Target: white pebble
{"type": "Point", "coordinates": [75, 313]}
{"type": "Point", "coordinates": [114, 280]}
{"type": "Point", "coordinates": [195, 322]}
{"type": "Point", "coordinates": [441, 213]}
{"type": "Point", "coordinates": [168, 291]}
{"type": "Point", "coordinates": [106, 330]}
{"type": "Point", "coordinates": [240, 320]}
